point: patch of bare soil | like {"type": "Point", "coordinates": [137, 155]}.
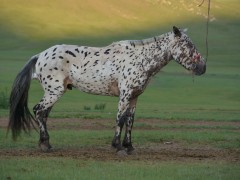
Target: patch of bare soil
{"type": "Point", "coordinates": [107, 124]}
{"type": "Point", "coordinates": [166, 151]}
{"type": "Point", "coordinates": [152, 153]}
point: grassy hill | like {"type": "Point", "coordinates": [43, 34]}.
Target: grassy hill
{"type": "Point", "coordinates": [60, 19]}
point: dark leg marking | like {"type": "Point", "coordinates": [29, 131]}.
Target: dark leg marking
{"type": "Point", "coordinates": [116, 142]}
{"type": "Point", "coordinates": [129, 119]}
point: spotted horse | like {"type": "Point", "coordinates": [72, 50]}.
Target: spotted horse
{"type": "Point", "coordinates": [121, 69]}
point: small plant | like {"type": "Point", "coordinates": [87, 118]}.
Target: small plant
{"type": "Point", "coordinates": [100, 106]}
{"type": "Point", "coordinates": [4, 102]}
{"type": "Point", "coordinates": [87, 108]}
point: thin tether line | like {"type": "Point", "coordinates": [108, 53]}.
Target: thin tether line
{"type": "Point", "coordinates": [207, 25]}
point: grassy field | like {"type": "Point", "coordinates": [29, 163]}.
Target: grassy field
{"type": "Point", "coordinates": [198, 116]}
{"type": "Point", "coordinates": [164, 150]}
{"type": "Point", "coordinates": [77, 169]}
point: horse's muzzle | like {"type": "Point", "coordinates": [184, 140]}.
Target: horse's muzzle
{"type": "Point", "coordinates": [199, 68]}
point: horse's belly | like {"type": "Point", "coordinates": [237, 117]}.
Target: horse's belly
{"type": "Point", "coordinates": [99, 79]}
{"type": "Point", "coordinates": [92, 88]}
{"type": "Point", "coordinates": [96, 85]}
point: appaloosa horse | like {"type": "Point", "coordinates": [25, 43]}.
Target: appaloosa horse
{"type": "Point", "coordinates": [121, 69]}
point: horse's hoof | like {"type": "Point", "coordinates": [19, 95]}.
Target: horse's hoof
{"type": "Point", "coordinates": [122, 153]}
{"type": "Point", "coordinates": [45, 147]}
{"type": "Point", "coordinates": [131, 151]}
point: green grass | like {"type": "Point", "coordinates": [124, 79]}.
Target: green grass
{"type": "Point", "coordinates": [65, 138]}
{"type": "Point", "coordinates": [51, 168]}
{"type": "Point", "coordinates": [29, 167]}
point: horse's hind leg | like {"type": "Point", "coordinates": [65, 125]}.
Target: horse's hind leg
{"type": "Point", "coordinates": [41, 111]}
{"type": "Point", "coordinates": [41, 117]}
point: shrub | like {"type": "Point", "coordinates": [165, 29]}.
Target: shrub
{"type": "Point", "coordinates": [87, 108]}
{"type": "Point", "coordinates": [100, 106]}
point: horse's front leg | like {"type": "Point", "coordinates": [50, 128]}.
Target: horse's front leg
{"type": "Point", "coordinates": [127, 141]}
{"type": "Point", "coordinates": [122, 116]}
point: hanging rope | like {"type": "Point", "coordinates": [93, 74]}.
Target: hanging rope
{"type": "Point", "coordinates": [207, 24]}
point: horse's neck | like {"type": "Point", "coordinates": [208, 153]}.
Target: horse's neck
{"type": "Point", "coordinates": [156, 53]}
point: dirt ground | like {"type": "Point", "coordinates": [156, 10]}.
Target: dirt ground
{"type": "Point", "coordinates": [166, 151]}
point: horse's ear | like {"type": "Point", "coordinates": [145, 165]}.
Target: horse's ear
{"type": "Point", "coordinates": [176, 31]}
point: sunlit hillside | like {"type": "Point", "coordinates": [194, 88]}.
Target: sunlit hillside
{"type": "Point", "coordinates": [53, 19]}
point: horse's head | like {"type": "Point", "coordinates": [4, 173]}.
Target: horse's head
{"type": "Point", "coordinates": [185, 52]}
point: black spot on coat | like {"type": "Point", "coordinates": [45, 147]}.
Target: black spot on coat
{"type": "Point", "coordinates": [85, 54]}
{"type": "Point", "coordinates": [70, 53]}
{"type": "Point", "coordinates": [96, 53]}
{"type": "Point", "coordinates": [107, 51]}
{"type": "Point", "coordinates": [86, 64]}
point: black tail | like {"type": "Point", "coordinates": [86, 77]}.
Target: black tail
{"type": "Point", "coordinates": [20, 117]}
